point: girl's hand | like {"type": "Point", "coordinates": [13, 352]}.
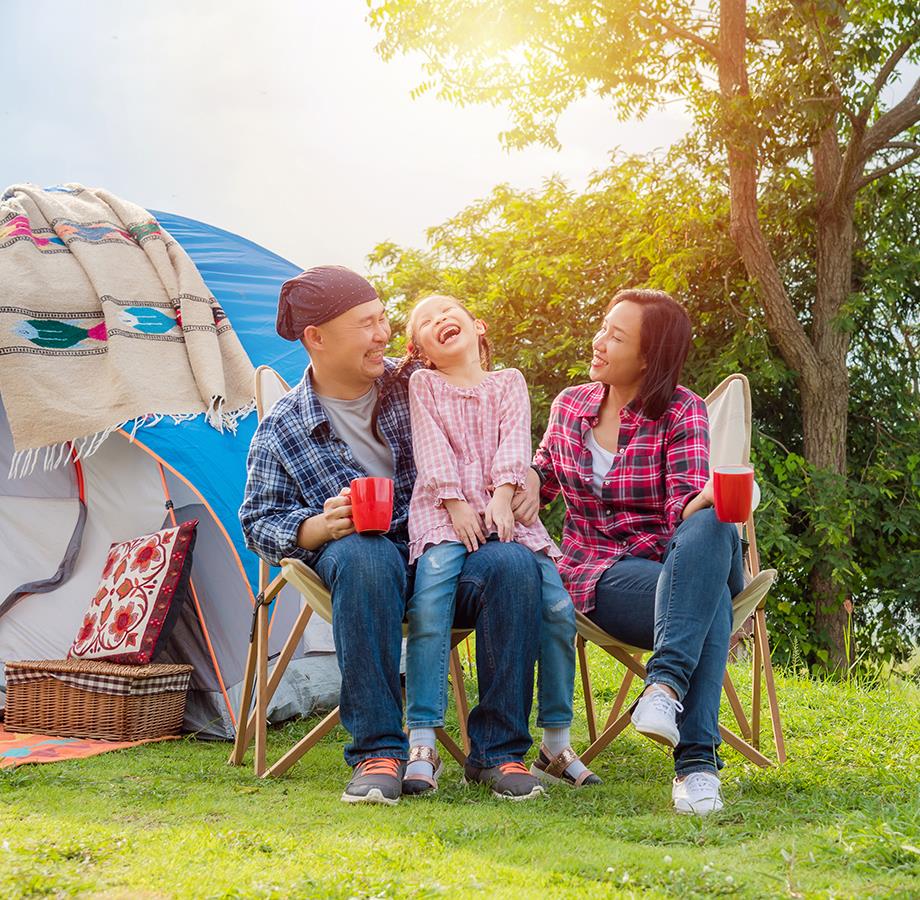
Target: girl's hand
{"type": "Point", "coordinates": [500, 518]}
{"type": "Point", "coordinates": [466, 523]}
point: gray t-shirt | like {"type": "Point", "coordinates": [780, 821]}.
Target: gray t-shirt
{"type": "Point", "coordinates": [351, 421]}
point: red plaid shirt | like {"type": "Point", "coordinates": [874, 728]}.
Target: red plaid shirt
{"type": "Point", "coordinates": [658, 468]}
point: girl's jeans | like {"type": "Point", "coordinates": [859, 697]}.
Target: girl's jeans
{"type": "Point", "coordinates": [430, 613]}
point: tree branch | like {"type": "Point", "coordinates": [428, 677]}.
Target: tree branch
{"type": "Point", "coordinates": [887, 170]}
{"type": "Point", "coordinates": [676, 30]}
{"type": "Point", "coordinates": [881, 79]}
{"type": "Point", "coordinates": [900, 117]}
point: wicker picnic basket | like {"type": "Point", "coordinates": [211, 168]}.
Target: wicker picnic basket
{"type": "Point", "coordinates": [92, 699]}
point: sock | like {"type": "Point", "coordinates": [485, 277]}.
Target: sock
{"type": "Point", "coordinates": [420, 737]}
{"type": "Point", "coordinates": [556, 740]}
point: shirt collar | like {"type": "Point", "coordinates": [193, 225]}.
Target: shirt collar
{"type": "Point", "coordinates": [588, 405]}
{"type": "Point", "coordinates": [314, 414]}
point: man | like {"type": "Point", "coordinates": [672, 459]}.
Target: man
{"type": "Point", "coordinates": [303, 456]}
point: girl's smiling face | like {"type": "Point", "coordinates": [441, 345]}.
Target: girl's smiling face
{"type": "Point", "coordinates": [444, 332]}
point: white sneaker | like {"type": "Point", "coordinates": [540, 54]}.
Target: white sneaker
{"type": "Point", "coordinates": [698, 793]}
{"type": "Point", "coordinates": [655, 716]}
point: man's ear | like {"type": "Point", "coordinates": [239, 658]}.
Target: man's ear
{"type": "Point", "coordinates": [313, 338]}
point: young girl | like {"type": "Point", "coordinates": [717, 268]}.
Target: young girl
{"type": "Point", "coordinates": [471, 440]}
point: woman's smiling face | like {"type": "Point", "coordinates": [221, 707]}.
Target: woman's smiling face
{"type": "Point", "coordinates": [617, 356]}
{"type": "Point", "coordinates": [444, 331]}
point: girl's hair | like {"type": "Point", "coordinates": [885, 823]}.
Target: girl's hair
{"type": "Point", "coordinates": [664, 343]}
{"type": "Point", "coordinates": [413, 355]}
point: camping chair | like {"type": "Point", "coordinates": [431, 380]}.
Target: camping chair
{"type": "Point", "coordinates": [271, 387]}
{"type": "Point", "coordinates": [729, 407]}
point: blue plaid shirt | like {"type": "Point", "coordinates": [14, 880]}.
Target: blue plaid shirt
{"type": "Point", "coordinates": [296, 462]}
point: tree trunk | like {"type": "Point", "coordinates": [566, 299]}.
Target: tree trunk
{"type": "Point", "coordinates": [819, 357]}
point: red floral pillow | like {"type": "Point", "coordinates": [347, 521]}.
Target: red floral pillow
{"type": "Point", "coordinates": [143, 585]}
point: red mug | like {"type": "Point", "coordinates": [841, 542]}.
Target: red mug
{"type": "Point", "coordinates": [372, 504]}
{"type": "Point", "coordinates": [733, 487]}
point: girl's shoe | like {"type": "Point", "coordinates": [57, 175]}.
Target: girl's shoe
{"type": "Point", "coordinates": [655, 716]}
{"type": "Point", "coordinates": [698, 793]}
{"type": "Point", "coordinates": [423, 784]}
{"type": "Point", "coordinates": [554, 769]}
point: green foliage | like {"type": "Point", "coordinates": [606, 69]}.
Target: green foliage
{"type": "Point", "coordinates": [540, 268]}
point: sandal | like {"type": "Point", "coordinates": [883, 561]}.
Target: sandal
{"type": "Point", "coordinates": [555, 768]}
{"type": "Point", "coordinates": [423, 784]}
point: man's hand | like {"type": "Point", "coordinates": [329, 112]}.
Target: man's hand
{"type": "Point", "coordinates": [337, 515]}
{"type": "Point", "coordinates": [499, 517]}
{"type": "Point", "coordinates": [466, 523]}
{"type": "Point", "coordinates": [526, 501]}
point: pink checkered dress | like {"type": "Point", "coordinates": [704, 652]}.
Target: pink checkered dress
{"type": "Point", "coordinates": [466, 442]}
{"type": "Point", "coordinates": [659, 467]}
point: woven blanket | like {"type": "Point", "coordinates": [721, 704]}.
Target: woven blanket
{"type": "Point", "coordinates": [104, 321]}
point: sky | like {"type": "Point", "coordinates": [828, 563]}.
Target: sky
{"type": "Point", "coordinates": [277, 121]}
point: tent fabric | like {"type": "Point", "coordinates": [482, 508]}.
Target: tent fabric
{"type": "Point", "coordinates": [126, 484]}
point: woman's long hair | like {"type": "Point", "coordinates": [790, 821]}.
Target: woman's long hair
{"type": "Point", "coordinates": [664, 343]}
{"type": "Point", "coordinates": [413, 357]}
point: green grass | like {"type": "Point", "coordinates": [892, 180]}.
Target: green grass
{"type": "Point", "coordinates": [840, 819]}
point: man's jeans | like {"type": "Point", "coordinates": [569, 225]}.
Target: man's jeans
{"type": "Point", "coordinates": [498, 593]}
{"type": "Point", "coordinates": [681, 607]}
{"type": "Point", "coordinates": [431, 611]}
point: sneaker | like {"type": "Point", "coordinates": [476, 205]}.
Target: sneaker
{"type": "Point", "coordinates": [555, 769]}
{"type": "Point", "coordinates": [698, 793]}
{"type": "Point", "coordinates": [655, 716]}
{"type": "Point", "coordinates": [375, 780]}
{"type": "Point", "coordinates": [508, 781]}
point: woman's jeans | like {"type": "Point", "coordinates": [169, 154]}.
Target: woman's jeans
{"type": "Point", "coordinates": [681, 607]}
{"type": "Point", "coordinates": [430, 613]}
{"type": "Point", "coordinates": [498, 595]}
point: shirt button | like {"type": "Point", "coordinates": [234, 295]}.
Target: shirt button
{"type": "Point", "coordinates": [608, 512]}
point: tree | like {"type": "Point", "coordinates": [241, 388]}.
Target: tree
{"type": "Point", "coordinates": [785, 93]}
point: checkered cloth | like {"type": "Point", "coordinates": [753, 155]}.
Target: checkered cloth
{"type": "Point", "coordinates": [659, 466]}
{"type": "Point", "coordinates": [105, 682]}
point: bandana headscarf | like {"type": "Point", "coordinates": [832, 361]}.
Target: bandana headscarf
{"type": "Point", "coordinates": [318, 295]}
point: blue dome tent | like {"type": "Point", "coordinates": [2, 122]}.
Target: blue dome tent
{"type": "Point", "coordinates": [122, 490]}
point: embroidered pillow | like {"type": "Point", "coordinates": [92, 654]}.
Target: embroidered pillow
{"type": "Point", "coordinates": [143, 586]}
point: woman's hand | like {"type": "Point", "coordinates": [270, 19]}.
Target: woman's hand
{"type": "Point", "coordinates": [526, 501]}
{"type": "Point", "coordinates": [702, 500]}
{"type": "Point", "coordinates": [466, 523]}
{"type": "Point", "coordinates": [500, 518]}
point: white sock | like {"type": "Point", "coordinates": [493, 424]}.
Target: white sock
{"type": "Point", "coordinates": [556, 740]}
{"type": "Point", "coordinates": [420, 737]}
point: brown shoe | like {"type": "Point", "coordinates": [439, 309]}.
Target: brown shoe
{"type": "Point", "coordinates": [554, 769]}
{"type": "Point", "coordinates": [423, 784]}
{"type": "Point", "coordinates": [508, 781]}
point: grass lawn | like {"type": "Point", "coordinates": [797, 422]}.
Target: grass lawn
{"type": "Point", "coordinates": [840, 819]}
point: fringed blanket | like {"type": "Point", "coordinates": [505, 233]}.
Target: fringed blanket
{"type": "Point", "coordinates": [104, 321]}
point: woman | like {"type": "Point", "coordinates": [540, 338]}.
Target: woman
{"type": "Point", "coordinates": [644, 555]}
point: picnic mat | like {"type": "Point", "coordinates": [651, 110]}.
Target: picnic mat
{"type": "Point", "coordinates": [105, 321]}
{"type": "Point", "coordinates": [17, 748]}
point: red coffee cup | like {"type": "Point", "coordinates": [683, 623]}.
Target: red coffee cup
{"type": "Point", "coordinates": [372, 504]}
{"type": "Point", "coordinates": [733, 487]}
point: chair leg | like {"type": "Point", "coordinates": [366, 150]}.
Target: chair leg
{"type": "Point", "coordinates": [622, 694]}
{"type": "Point", "coordinates": [609, 733]}
{"type": "Point", "coordinates": [586, 687]}
{"type": "Point", "coordinates": [763, 639]}
{"type": "Point", "coordinates": [261, 714]}
{"type": "Point", "coordinates": [756, 675]}
{"type": "Point", "coordinates": [744, 748]}
{"type": "Point", "coordinates": [303, 745]}
{"type": "Point", "coordinates": [737, 708]}
{"type": "Point", "coordinates": [463, 709]}
{"type": "Point", "coordinates": [450, 745]}
{"type": "Point", "coordinates": [280, 666]}
{"type": "Point", "coordinates": [241, 742]}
